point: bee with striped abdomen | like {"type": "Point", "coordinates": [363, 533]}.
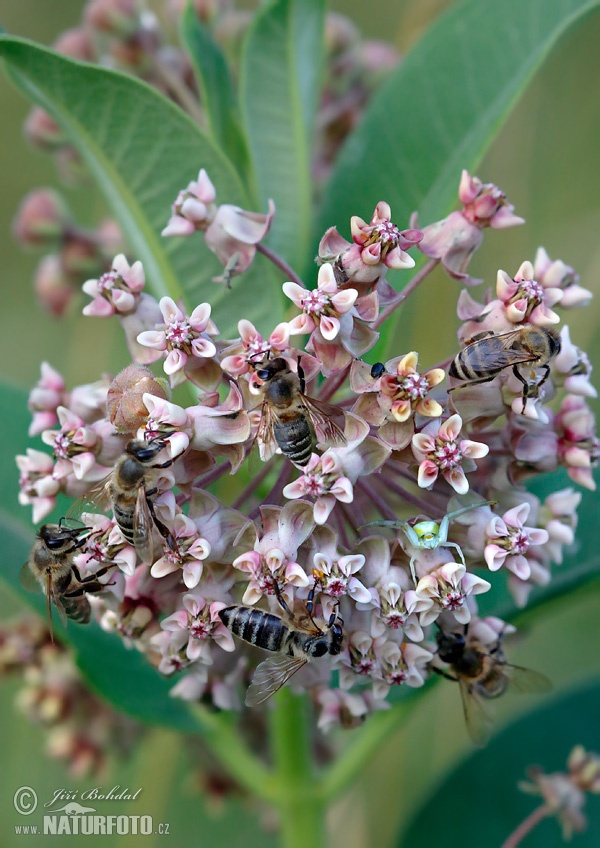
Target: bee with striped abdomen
{"type": "Point", "coordinates": [487, 354]}
{"type": "Point", "coordinates": [290, 419]}
{"type": "Point", "coordinates": [482, 674]}
{"type": "Point", "coordinates": [51, 568]}
{"type": "Point", "coordinates": [127, 491]}
{"type": "Point", "coordinates": [295, 642]}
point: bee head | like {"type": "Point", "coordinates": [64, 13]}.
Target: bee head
{"type": "Point", "coordinates": [54, 536]}
{"type": "Point", "coordinates": [451, 645]}
{"type": "Point", "coordinates": [267, 369]}
{"type": "Point", "coordinates": [554, 342]}
{"type": "Point", "coordinates": [145, 451]}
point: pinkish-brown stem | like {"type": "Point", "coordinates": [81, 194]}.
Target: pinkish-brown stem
{"type": "Point", "coordinates": [376, 498]}
{"type": "Point", "coordinates": [252, 485]}
{"type": "Point", "coordinates": [278, 486]}
{"type": "Point", "coordinates": [280, 263]}
{"type": "Point", "coordinates": [527, 826]}
{"type": "Point", "coordinates": [212, 475]}
{"type": "Point", "coordinates": [405, 495]}
{"type": "Point", "coordinates": [408, 289]}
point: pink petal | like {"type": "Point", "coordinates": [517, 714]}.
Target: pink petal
{"type": "Point", "coordinates": [397, 259]}
{"type": "Point", "coordinates": [301, 324]}
{"type": "Point", "coordinates": [295, 293]}
{"type": "Point", "coordinates": [170, 311]}
{"type": "Point", "coordinates": [473, 450]}
{"type": "Point", "coordinates": [203, 348]}
{"type": "Point", "coordinates": [322, 508]}
{"type": "Point", "coordinates": [329, 327]}
{"type": "Point", "coordinates": [428, 474]}
{"type": "Point", "coordinates": [344, 301]}
{"type": "Point", "coordinates": [456, 478]}
{"type": "Point", "coordinates": [175, 361]}
{"type": "Point", "coordinates": [192, 572]}
{"type": "Point", "coordinates": [294, 490]}
{"type": "Point", "coordinates": [153, 338]}
{"type": "Point", "coordinates": [519, 567]}
{"type": "Point", "coordinates": [494, 557]}
{"type": "Point", "coordinates": [517, 516]}
{"type": "Point", "coordinates": [450, 429]}
{"type": "Point", "coordinates": [178, 226]}
{"type": "Point", "coordinates": [200, 316]}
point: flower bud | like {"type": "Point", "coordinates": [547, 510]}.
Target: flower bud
{"type": "Point", "coordinates": [52, 286]}
{"type": "Point", "coordinates": [43, 131]}
{"type": "Point", "coordinates": [119, 18]}
{"type": "Point", "coordinates": [77, 44]}
{"type": "Point", "coordinates": [124, 403]}
{"type": "Point", "coordinates": [41, 218]}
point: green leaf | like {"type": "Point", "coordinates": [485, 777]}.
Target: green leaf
{"type": "Point", "coordinates": [439, 111]}
{"type": "Point", "coordinates": [216, 87]}
{"type": "Point", "coordinates": [142, 149]}
{"type": "Point", "coordinates": [280, 77]}
{"type": "Point", "coordinates": [489, 778]}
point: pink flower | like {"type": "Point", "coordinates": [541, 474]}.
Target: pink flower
{"type": "Point", "coordinates": [335, 578]}
{"type": "Point", "coordinates": [525, 299]}
{"type": "Point", "coordinates": [404, 663]}
{"type": "Point", "coordinates": [105, 545]}
{"type": "Point", "coordinates": [556, 274]}
{"type": "Point", "coordinates": [454, 239]}
{"type": "Point", "coordinates": [405, 393]}
{"type": "Point", "coordinates": [75, 448]}
{"type": "Point", "coordinates": [321, 307]}
{"type": "Point", "coordinates": [322, 479]}
{"type": "Point", "coordinates": [376, 247]}
{"type": "Point", "coordinates": [572, 368]}
{"type": "Point", "coordinates": [233, 235]}
{"type": "Point", "coordinates": [194, 207]}
{"type": "Point", "coordinates": [200, 619]}
{"type": "Point", "coordinates": [242, 358]}
{"type": "Point", "coordinates": [116, 291]}
{"type": "Point", "coordinates": [44, 399]}
{"type": "Point", "coordinates": [37, 485]}
{"type": "Point", "coordinates": [578, 445]}
{"type": "Point", "coordinates": [437, 449]}
{"type": "Point", "coordinates": [181, 337]}
{"type": "Point", "coordinates": [559, 517]}
{"type": "Point", "coordinates": [447, 589]}
{"type": "Point", "coordinates": [397, 608]}
{"type": "Point", "coordinates": [273, 560]}
{"type": "Point", "coordinates": [189, 556]}
{"type": "Point", "coordinates": [508, 540]}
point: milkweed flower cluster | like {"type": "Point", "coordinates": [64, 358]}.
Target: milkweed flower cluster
{"type": "Point", "coordinates": [299, 536]}
{"type": "Point", "coordinates": [564, 793]}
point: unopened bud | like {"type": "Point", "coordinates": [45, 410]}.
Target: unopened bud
{"type": "Point", "coordinates": [41, 218]}
{"type": "Point", "coordinates": [43, 131]}
{"type": "Point", "coordinates": [77, 44]}
{"type": "Point", "coordinates": [52, 286]}
{"type": "Point", "coordinates": [125, 406]}
{"type": "Point", "coordinates": [119, 18]}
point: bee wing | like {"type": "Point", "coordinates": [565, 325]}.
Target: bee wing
{"type": "Point", "coordinates": [494, 357]}
{"type": "Point", "coordinates": [28, 580]}
{"type": "Point", "coordinates": [321, 416]}
{"type": "Point", "coordinates": [524, 680]}
{"type": "Point", "coordinates": [477, 717]}
{"type": "Point", "coordinates": [143, 525]}
{"type": "Point", "coordinates": [270, 676]}
{"type": "Point", "coordinates": [96, 500]}
{"type": "Point", "coordinates": [265, 437]}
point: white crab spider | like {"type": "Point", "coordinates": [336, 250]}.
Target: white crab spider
{"type": "Point", "coordinates": [428, 535]}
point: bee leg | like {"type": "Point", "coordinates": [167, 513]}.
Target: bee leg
{"type": "Point", "coordinates": [520, 377]}
{"type": "Point", "coordinates": [473, 382]}
{"type": "Point", "coordinates": [90, 577]}
{"type": "Point", "coordinates": [280, 598]}
{"type": "Point", "coordinates": [301, 376]}
{"type": "Point", "coordinates": [444, 674]}
{"type": "Point", "coordinates": [162, 528]}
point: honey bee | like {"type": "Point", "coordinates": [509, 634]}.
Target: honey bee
{"type": "Point", "coordinates": [290, 419]}
{"type": "Point", "coordinates": [487, 354]}
{"type": "Point", "coordinates": [482, 674]}
{"type": "Point", "coordinates": [51, 568]}
{"type": "Point", "coordinates": [126, 491]}
{"type": "Point", "coordinates": [295, 643]}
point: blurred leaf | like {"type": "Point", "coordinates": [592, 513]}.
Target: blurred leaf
{"type": "Point", "coordinates": [441, 108]}
{"type": "Point", "coordinates": [216, 86]}
{"type": "Point", "coordinates": [142, 149]}
{"type": "Point", "coordinates": [279, 84]}
{"type": "Point", "coordinates": [478, 802]}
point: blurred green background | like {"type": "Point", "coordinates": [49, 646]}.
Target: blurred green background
{"type": "Point", "coordinates": [546, 160]}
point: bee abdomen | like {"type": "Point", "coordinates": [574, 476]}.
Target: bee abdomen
{"type": "Point", "coordinates": [124, 517]}
{"type": "Point", "coordinates": [77, 609]}
{"type": "Point", "coordinates": [255, 627]}
{"type": "Point", "coordinates": [295, 440]}
{"type": "Point", "coordinates": [462, 369]}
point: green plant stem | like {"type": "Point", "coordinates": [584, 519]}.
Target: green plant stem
{"type": "Point", "coordinates": [222, 737]}
{"type": "Point", "coordinates": [299, 800]}
{"type": "Point", "coordinates": [367, 741]}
